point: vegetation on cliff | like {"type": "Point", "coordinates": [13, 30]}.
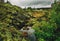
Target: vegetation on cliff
{"type": "Point", "coordinates": [45, 22]}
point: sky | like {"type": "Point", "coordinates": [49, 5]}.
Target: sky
{"type": "Point", "coordinates": [32, 3]}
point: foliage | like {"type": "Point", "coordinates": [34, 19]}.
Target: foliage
{"type": "Point", "coordinates": [49, 30]}
{"type": "Point", "coordinates": [13, 15]}
{"type": "Point", "coordinates": [13, 18]}
{"type": "Point", "coordinates": [8, 34]}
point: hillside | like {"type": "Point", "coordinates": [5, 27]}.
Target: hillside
{"type": "Point", "coordinates": [46, 23]}
{"type": "Point", "coordinates": [12, 18]}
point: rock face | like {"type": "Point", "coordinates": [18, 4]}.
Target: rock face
{"type": "Point", "coordinates": [1, 0]}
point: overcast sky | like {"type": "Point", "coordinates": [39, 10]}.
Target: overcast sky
{"type": "Point", "coordinates": [32, 3]}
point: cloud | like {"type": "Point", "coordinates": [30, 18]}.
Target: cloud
{"type": "Point", "coordinates": [32, 3]}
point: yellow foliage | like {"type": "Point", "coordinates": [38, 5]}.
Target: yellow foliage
{"type": "Point", "coordinates": [38, 14]}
